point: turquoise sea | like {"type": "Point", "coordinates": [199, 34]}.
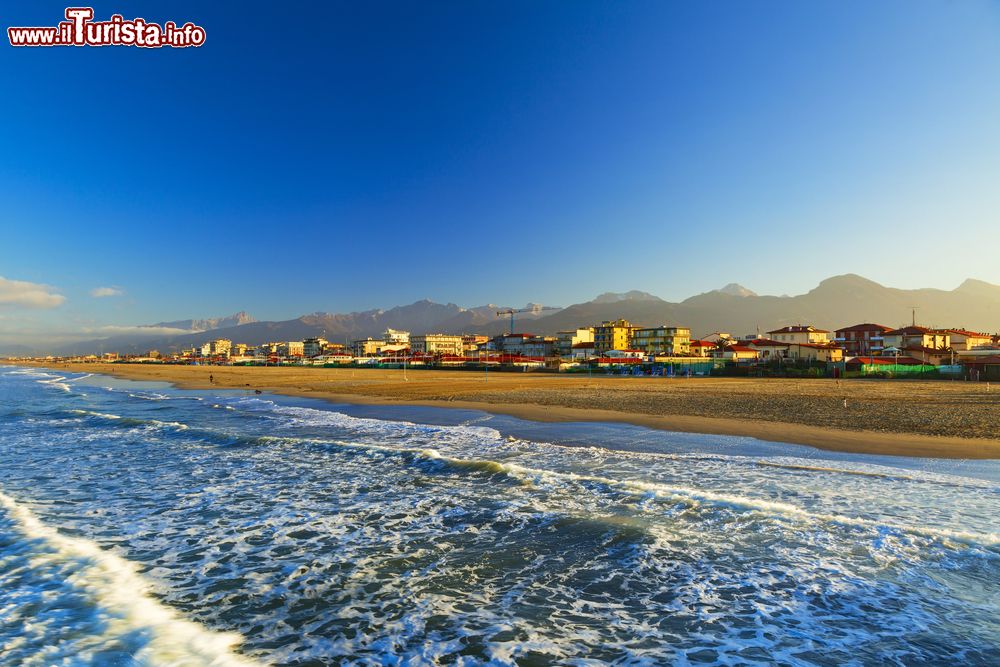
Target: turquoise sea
{"type": "Point", "coordinates": [146, 525]}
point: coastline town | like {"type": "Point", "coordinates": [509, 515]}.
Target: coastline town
{"type": "Point", "coordinates": [622, 348]}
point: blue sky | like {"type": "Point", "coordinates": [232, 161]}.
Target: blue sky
{"type": "Point", "coordinates": [330, 156]}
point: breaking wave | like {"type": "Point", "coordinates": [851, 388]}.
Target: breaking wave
{"type": "Point", "coordinates": [66, 598]}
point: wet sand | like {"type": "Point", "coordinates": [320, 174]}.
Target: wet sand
{"type": "Point", "coordinates": [943, 419]}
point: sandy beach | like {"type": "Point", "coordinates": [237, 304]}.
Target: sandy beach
{"type": "Point", "coordinates": [901, 418]}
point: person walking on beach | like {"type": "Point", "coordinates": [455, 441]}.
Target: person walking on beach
{"type": "Point", "coordinates": [211, 379]}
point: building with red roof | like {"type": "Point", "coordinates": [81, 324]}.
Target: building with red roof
{"type": "Point", "coordinates": [867, 338]}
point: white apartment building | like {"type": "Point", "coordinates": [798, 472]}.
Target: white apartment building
{"type": "Point", "coordinates": [313, 347]}
{"type": "Point", "coordinates": [799, 334]}
{"type": "Point", "coordinates": [436, 344]}
{"type": "Point", "coordinates": [395, 337]}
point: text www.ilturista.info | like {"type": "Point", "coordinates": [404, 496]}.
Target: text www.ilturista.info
{"type": "Point", "coordinates": [79, 29]}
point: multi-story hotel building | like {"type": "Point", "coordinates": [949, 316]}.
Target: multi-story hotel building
{"type": "Point", "coordinates": [662, 340]}
{"type": "Point", "coordinates": [313, 347]}
{"type": "Point", "coordinates": [613, 335]}
{"type": "Point", "coordinates": [217, 348]}
{"type": "Point", "coordinates": [292, 348]}
{"type": "Point", "coordinates": [436, 344]}
{"type": "Point", "coordinates": [366, 347]}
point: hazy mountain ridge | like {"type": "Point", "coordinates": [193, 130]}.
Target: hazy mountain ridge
{"type": "Point", "coordinates": [633, 295]}
{"type": "Point", "coordinates": [735, 289]}
{"type": "Point", "coordinates": [835, 302]}
{"type": "Point", "coordinates": [423, 316]}
{"type": "Point", "coordinates": [209, 324]}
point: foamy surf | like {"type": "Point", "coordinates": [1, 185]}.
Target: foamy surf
{"type": "Point", "coordinates": [29, 372]}
{"type": "Point", "coordinates": [58, 382]}
{"type": "Point", "coordinates": [319, 536]}
{"type": "Point", "coordinates": [128, 619]}
{"type": "Point", "coordinates": [130, 421]}
{"type": "Point", "coordinates": [491, 437]}
{"type": "Point", "coordinates": [150, 396]}
{"type": "Point", "coordinates": [691, 496]}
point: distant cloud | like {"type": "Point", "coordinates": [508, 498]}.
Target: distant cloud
{"type": "Point", "coordinates": [114, 330]}
{"type": "Point", "coordinates": [102, 292]}
{"type": "Point", "coordinates": [28, 295]}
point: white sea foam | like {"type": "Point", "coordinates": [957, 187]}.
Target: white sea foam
{"type": "Point", "coordinates": [484, 434]}
{"type": "Point", "coordinates": [767, 507]}
{"type": "Point", "coordinates": [57, 381]}
{"type": "Point", "coordinates": [92, 413]}
{"type": "Point", "coordinates": [30, 372]}
{"type": "Point", "coordinates": [144, 422]}
{"type": "Point", "coordinates": [152, 396]}
{"type": "Point", "coordinates": [691, 496]}
{"type": "Point", "coordinates": [332, 538]}
{"type": "Point", "coordinates": [380, 426]}
{"type": "Point", "coordinates": [481, 434]}
{"type": "Point", "coordinates": [121, 594]}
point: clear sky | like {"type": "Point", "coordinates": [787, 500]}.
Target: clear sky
{"type": "Point", "coordinates": [333, 156]}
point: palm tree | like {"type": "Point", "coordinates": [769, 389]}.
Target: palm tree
{"type": "Point", "coordinates": [722, 344]}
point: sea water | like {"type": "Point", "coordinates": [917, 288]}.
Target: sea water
{"type": "Point", "coordinates": [142, 524]}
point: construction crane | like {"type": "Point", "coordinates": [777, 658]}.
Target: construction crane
{"type": "Point", "coordinates": [533, 309]}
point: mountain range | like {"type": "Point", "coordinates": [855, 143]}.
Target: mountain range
{"type": "Point", "coordinates": [835, 302]}
{"type": "Point", "coordinates": [197, 326]}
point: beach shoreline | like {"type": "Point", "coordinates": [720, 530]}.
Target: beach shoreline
{"type": "Point", "coordinates": [788, 411]}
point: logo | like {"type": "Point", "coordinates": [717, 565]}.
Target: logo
{"type": "Point", "coordinates": [80, 29]}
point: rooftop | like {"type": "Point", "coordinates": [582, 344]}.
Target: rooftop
{"type": "Point", "coordinates": [766, 342]}
{"type": "Point", "coordinates": [819, 346]}
{"type": "Point", "coordinates": [912, 331]}
{"type": "Point", "coordinates": [964, 332]}
{"type": "Point", "coordinates": [867, 326]}
{"type": "Point", "coordinates": [886, 361]}
{"type": "Point", "coordinates": [798, 328]}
